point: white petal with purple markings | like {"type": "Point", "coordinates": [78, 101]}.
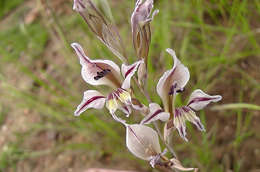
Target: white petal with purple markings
{"type": "Point", "coordinates": [98, 72]}
{"type": "Point", "coordinates": [128, 72]}
{"type": "Point", "coordinates": [91, 99]}
{"type": "Point", "coordinates": [181, 115]}
{"type": "Point", "coordinates": [156, 113]}
{"type": "Point", "coordinates": [179, 76]}
{"type": "Point", "coordinates": [198, 99]}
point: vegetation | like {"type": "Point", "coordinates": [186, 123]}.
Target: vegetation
{"type": "Point", "coordinates": [40, 84]}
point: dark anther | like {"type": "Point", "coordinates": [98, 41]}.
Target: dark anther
{"type": "Point", "coordinates": [172, 89]}
{"type": "Point", "coordinates": [180, 90]}
{"type": "Point", "coordinates": [102, 74]}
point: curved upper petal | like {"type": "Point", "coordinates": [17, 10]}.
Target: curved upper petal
{"type": "Point", "coordinates": [98, 72]}
{"type": "Point", "coordinates": [178, 75]}
{"type": "Point", "coordinates": [156, 113]}
{"type": "Point", "coordinates": [128, 72]}
{"type": "Point", "coordinates": [198, 99]}
{"type": "Point", "coordinates": [91, 99]}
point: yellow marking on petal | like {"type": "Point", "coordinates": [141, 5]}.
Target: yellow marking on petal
{"type": "Point", "coordinates": [112, 105]}
{"type": "Point", "coordinates": [125, 97]}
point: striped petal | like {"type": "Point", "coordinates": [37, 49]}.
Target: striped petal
{"type": "Point", "coordinates": [181, 115]}
{"type": "Point", "coordinates": [91, 99]}
{"type": "Point", "coordinates": [126, 109]}
{"type": "Point", "coordinates": [198, 99]}
{"type": "Point", "coordinates": [128, 72]}
{"type": "Point", "coordinates": [142, 141]}
{"type": "Point", "coordinates": [156, 113]}
{"type": "Point", "coordinates": [98, 72]}
{"type": "Point", "coordinates": [176, 165]}
{"type": "Point", "coordinates": [172, 80]}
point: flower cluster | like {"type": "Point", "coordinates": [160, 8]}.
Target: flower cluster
{"type": "Point", "coordinates": [141, 140]}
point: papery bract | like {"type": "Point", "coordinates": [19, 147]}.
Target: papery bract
{"type": "Point", "coordinates": [98, 24]}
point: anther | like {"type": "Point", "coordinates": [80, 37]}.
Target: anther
{"type": "Point", "coordinates": [102, 74]}
{"type": "Point", "coordinates": [172, 89]}
{"type": "Point", "coordinates": [180, 90]}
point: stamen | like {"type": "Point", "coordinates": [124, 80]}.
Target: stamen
{"type": "Point", "coordinates": [173, 89]}
{"type": "Point", "coordinates": [180, 90]}
{"type": "Point", "coordinates": [102, 74]}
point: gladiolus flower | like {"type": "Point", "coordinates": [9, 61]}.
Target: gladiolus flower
{"type": "Point", "coordinates": [105, 72]}
{"type": "Point", "coordinates": [170, 84]}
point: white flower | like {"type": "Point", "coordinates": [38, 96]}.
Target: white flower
{"type": "Point", "coordinates": [105, 72]}
{"type": "Point", "coordinates": [170, 84]}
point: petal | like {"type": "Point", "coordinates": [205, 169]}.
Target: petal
{"type": "Point", "coordinates": [91, 99]}
{"type": "Point", "coordinates": [181, 115]}
{"type": "Point", "coordinates": [179, 123]}
{"type": "Point", "coordinates": [137, 105]}
{"type": "Point", "coordinates": [176, 165]}
{"type": "Point", "coordinates": [128, 72]}
{"type": "Point", "coordinates": [178, 76]}
{"type": "Point", "coordinates": [198, 99]}
{"type": "Point", "coordinates": [142, 141]}
{"type": "Point", "coordinates": [124, 96]}
{"type": "Point", "coordinates": [112, 103]}
{"type": "Point", "coordinates": [126, 109]}
{"type": "Point", "coordinates": [156, 113]}
{"type": "Point", "coordinates": [98, 72]}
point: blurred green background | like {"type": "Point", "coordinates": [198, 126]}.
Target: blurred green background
{"type": "Point", "coordinates": [41, 85]}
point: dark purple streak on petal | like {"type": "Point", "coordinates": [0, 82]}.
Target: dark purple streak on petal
{"type": "Point", "coordinates": [200, 99]}
{"type": "Point", "coordinates": [153, 115]}
{"type": "Point", "coordinates": [129, 71]}
{"type": "Point", "coordinates": [90, 101]}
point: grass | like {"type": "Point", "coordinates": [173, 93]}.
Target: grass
{"type": "Point", "coordinates": [215, 39]}
{"type": "Point", "coordinates": [6, 6]}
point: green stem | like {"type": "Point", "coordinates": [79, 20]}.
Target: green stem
{"type": "Point", "coordinates": [236, 106]}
